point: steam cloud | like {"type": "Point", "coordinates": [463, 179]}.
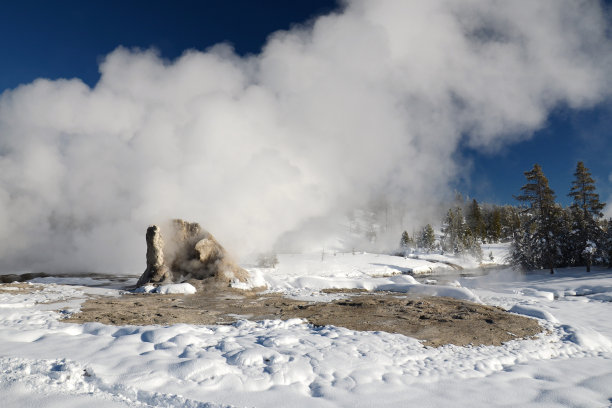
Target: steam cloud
{"type": "Point", "coordinates": [607, 211]}
{"type": "Point", "coordinates": [373, 98]}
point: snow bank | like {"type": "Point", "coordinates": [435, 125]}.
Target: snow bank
{"type": "Point", "coordinates": [587, 338]}
{"type": "Point", "coordinates": [432, 290]}
{"type": "Point", "coordinates": [173, 288]}
{"type": "Point", "coordinates": [303, 276]}
{"type": "Point", "coordinates": [533, 312]}
{"type": "Point", "coordinates": [184, 288]}
{"type": "Point", "coordinates": [539, 293]}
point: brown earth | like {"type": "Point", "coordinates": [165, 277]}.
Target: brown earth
{"type": "Point", "coordinates": [18, 288]}
{"type": "Point", "coordinates": [435, 320]}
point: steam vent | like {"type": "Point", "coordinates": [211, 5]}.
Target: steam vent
{"type": "Point", "coordinates": [188, 253]}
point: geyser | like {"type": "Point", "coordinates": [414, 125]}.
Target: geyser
{"type": "Point", "coordinates": [370, 100]}
{"type": "Point", "coordinates": [190, 253]}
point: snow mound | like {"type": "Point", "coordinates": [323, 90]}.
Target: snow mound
{"type": "Point", "coordinates": [255, 280]}
{"type": "Point", "coordinates": [431, 290]}
{"type": "Point", "coordinates": [305, 276]}
{"type": "Point", "coordinates": [587, 338]}
{"type": "Point", "coordinates": [538, 293]}
{"type": "Point", "coordinates": [185, 288]}
{"type": "Point", "coordinates": [173, 288]}
{"type": "Point", "coordinates": [533, 312]}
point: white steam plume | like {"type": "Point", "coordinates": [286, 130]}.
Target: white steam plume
{"type": "Point", "coordinates": [375, 97]}
{"type": "Point", "coordinates": [607, 211]}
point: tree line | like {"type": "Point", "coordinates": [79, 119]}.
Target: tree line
{"type": "Point", "coordinates": [543, 234]}
{"type": "Point", "coordinates": [465, 226]}
{"type": "Point", "coordinates": [554, 236]}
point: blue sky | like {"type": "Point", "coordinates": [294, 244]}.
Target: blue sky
{"type": "Point", "coordinates": [570, 136]}
{"type": "Point", "coordinates": [67, 39]}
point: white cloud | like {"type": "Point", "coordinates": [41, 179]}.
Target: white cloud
{"type": "Point", "coordinates": [375, 97]}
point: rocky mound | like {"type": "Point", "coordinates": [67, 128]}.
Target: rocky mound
{"type": "Point", "coordinates": [190, 252]}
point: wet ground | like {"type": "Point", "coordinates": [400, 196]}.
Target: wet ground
{"type": "Point", "coordinates": [435, 320]}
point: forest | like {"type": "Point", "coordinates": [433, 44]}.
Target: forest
{"type": "Point", "coordinates": [542, 233]}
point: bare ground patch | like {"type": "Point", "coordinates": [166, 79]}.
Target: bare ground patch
{"type": "Point", "coordinates": [436, 320]}
{"type": "Point", "coordinates": [18, 287]}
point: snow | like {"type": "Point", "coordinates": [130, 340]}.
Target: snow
{"type": "Point", "coordinates": [184, 288]}
{"type": "Point", "coordinates": [533, 312]}
{"type": "Point", "coordinates": [499, 251]}
{"type": "Point", "coordinates": [44, 362]}
{"type": "Point", "coordinates": [304, 276]}
{"type": "Point", "coordinates": [171, 288]}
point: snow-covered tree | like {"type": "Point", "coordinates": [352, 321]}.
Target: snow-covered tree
{"type": "Point", "coordinates": [586, 208]}
{"type": "Point", "coordinates": [475, 221]}
{"type": "Point", "coordinates": [569, 254]}
{"type": "Point", "coordinates": [607, 243]}
{"type": "Point", "coordinates": [458, 237]}
{"type": "Point", "coordinates": [267, 260]}
{"type": "Point", "coordinates": [494, 225]}
{"type": "Point", "coordinates": [511, 222]}
{"type": "Point", "coordinates": [427, 238]}
{"type": "Point", "coordinates": [452, 230]}
{"type": "Point", "coordinates": [406, 241]}
{"type": "Point", "coordinates": [539, 245]}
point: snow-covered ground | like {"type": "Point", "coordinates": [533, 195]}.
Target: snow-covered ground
{"type": "Point", "coordinates": [44, 362]}
{"type": "Point", "coordinates": [303, 276]}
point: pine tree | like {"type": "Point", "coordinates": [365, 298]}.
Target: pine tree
{"type": "Point", "coordinates": [458, 237]}
{"type": "Point", "coordinates": [427, 238]}
{"type": "Point", "coordinates": [569, 255]}
{"type": "Point", "coordinates": [539, 245]}
{"type": "Point", "coordinates": [586, 212]}
{"type": "Point", "coordinates": [471, 244]}
{"type": "Point", "coordinates": [475, 221]}
{"type": "Point", "coordinates": [608, 242]}
{"type": "Point", "coordinates": [511, 223]}
{"type": "Point", "coordinates": [406, 241]}
{"type": "Point", "coordinates": [452, 229]}
{"type": "Point", "coordinates": [494, 227]}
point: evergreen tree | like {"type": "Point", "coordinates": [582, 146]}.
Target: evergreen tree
{"type": "Point", "coordinates": [511, 223]}
{"type": "Point", "coordinates": [452, 229]}
{"type": "Point", "coordinates": [608, 242]}
{"type": "Point", "coordinates": [569, 255]}
{"type": "Point", "coordinates": [539, 244]}
{"type": "Point", "coordinates": [406, 241]}
{"type": "Point", "coordinates": [586, 212]}
{"type": "Point", "coordinates": [471, 244]}
{"type": "Point", "coordinates": [427, 238]}
{"type": "Point", "coordinates": [475, 221]}
{"type": "Point", "coordinates": [494, 227]}
{"type": "Point", "coordinates": [267, 260]}
{"type": "Point", "coordinates": [458, 237]}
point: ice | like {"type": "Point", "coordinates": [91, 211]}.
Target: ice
{"type": "Point", "coordinates": [279, 363]}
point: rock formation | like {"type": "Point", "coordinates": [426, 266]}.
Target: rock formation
{"type": "Point", "coordinates": [156, 270]}
{"type": "Point", "coordinates": [189, 253]}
